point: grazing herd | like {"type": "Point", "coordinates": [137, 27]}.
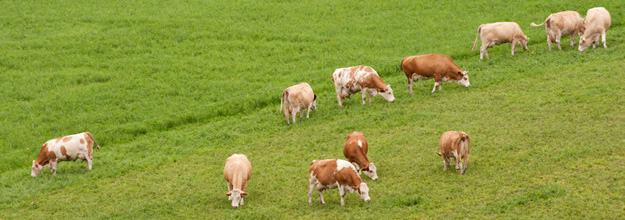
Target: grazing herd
{"type": "Point", "coordinates": [345, 175]}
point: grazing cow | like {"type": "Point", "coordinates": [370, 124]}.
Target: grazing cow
{"type": "Point", "coordinates": [295, 98]}
{"type": "Point", "coordinates": [333, 173]}
{"type": "Point", "coordinates": [351, 80]}
{"type": "Point", "coordinates": [596, 24]}
{"type": "Point", "coordinates": [437, 66]}
{"type": "Point", "coordinates": [562, 24]}
{"type": "Point", "coordinates": [68, 148]}
{"type": "Point", "coordinates": [455, 144]}
{"type": "Point", "coordinates": [237, 172]}
{"type": "Point", "coordinates": [500, 33]}
{"type": "Point", "coordinates": [355, 150]}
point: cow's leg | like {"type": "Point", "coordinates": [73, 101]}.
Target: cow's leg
{"type": "Point", "coordinates": [311, 190]}
{"type": "Point", "coordinates": [514, 42]}
{"type": "Point", "coordinates": [293, 115]}
{"type": "Point", "coordinates": [342, 194]}
{"type": "Point", "coordinates": [364, 96]}
{"type": "Point", "coordinates": [338, 96]}
{"type": "Point", "coordinates": [410, 85]}
{"type": "Point", "coordinates": [53, 166]}
{"type": "Point", "coordinates": [308, 112]}
{"type": "Point", "coordinates": [89, 162]}
{"type": "Point", "coordinates": [603, 39]}
{"type": "Point", "coordinates": [558, 36]}
{"type": "Point", "coordinates": [321, 197]}
{"type": "Point", "coordinates": [286, 115]}
{"type": "Point", "coordinates": [435, 85]}
{"type": "Point", "coordinates": [573, 39]}
{"type": "Point", "coordinates": [466, 163]}
{"type": "Point", "coordinates": [483, 51]}
{"type": "Point", "coordinates": [440, 85]}
{"type": "Point", "coordinates": [446, 162]}
{"type": "Point", "coordinates": [370, 97]}
{"type": "Point", "coordinates": [549, 41]}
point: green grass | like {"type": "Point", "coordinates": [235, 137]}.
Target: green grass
{"type": "Point", "coordinates": [170, 89]}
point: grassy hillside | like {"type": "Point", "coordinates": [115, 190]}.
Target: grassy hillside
{"type": "Point", "coordinates": [170, 89]}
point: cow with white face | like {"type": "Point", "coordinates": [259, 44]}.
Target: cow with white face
{"type": "Point", "coordinates": [597, 22]}
{"type": "Point", "coordinates": [354, 79]}
{"type": "Point", "coordinates": [440, 67]}
{"type": "Point", "coordinates": [67, 148]}
{"type": "Point", "coordinates": [333, 173]}
{"type": "Point", "coordinates": [237, 173]}
{"type": "Point", "coordinates": [562, 24]}
{"type": "Point", "coordinates": [355, 150]}
{"type": "Point", "coordinates": [296, 98]}
{"type": "Point", "coordinates": [500, 33]}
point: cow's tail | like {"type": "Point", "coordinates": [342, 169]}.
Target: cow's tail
{"type": "Point", "coordinates": [282, 100]}
{"type": "Point", "coordinates": [479, 29]}
{"type": "Point", "coordinates": [464, 144]}
{"type": "Point", "coordinates": [547, 21]}
{"type": "Point", "coordinates": [92, 139]}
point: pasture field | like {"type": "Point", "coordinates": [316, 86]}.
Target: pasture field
{"type": "Point", "coordinates": [170, 89]}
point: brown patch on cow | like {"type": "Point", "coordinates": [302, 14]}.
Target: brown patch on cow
{"type": "Point", "coordinates": [66, 139]}
{"type": "Point", "coordinates": [324, 171]}
{"type": "Point", "coordinates": [64, 152]}
{"type": "Point", "coordinates": [58, 140]}
{"type": "Point", "coordinates": [348, 176]}
{"type": "Point", "coordinates": [354, 153]}
{"type": "Point", "coordinates": [82, 141]}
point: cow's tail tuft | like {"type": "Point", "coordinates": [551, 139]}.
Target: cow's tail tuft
{"type": "Point", "coordinates": [479, 29]}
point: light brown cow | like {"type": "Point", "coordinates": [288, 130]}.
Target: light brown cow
{"type": "Point", "coordinates": [455, 144]}
{"type": "Point", "coordinates": [562, 24]}
{"type": "Point", "coordinates": [351, 80]}
{"type": "Point", "coordinates": [355, 150]}
{"type": "Point", "coordinates": [437, 66]}
{"type": "Point", "coordinates": [68, 148]}
{"type": "Point", "coordinates": [500, 33]}
{"type": "Point", "coordinates": [237, 173]}
{"type": "Point", "coordinates": [333, 173]}
{"type": "Point", "coordinates": [597, 22]}
{"type": "Point", "coordinates": [295, 98]}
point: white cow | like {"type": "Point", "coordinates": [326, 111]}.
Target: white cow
{"type": "Point", "coordinates": [597, 22]}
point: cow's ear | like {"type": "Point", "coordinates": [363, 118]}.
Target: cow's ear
{"type": "Point", "coordinates": [229, 193]}
{"type": "Point", "coordinates": [439, 154]}
{"type": "Point", "coordinates": [33, 162]}
{"type": "Point", "coordinates": [315, 97]}
{"type": "Point", "coordinates": [243, 194]}
{"type": "Point", "coordinates": [465, 72]}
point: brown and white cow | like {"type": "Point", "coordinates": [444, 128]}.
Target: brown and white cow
{"type": "Point", "coordinates": [295, 98]}
{"type": "Point", "coordinates": [351, 80]}
{"type": "Point", "coordinates": [237, 173]}
{"type": "Point", "coordinates": [67, 148]}
{"type": "Point", "coordinates": [562, 24]}
{"type": "Point", "coordinates": [437, 66]}
{"type": "Point", "coordinates": [597, 22]}
{"type": "Point", "coordinates": [333, 173]}
{"type": "Point", "coordinates": [355, 150]}
{"type": "Point", "coordinates": [455, 144]}
{"type": "Point", "coordinates": [500, 33]}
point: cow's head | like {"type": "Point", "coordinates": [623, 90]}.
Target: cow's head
{"type": "Point", "coordinates": [36, 169]}
{"type": "Point", "coordinates": [585, 43]}
{"type": "Point", "coordinates": [236, 195]}
{"type": "Point", "coordinates": [524, 41]}
{"type": "Point", "coordinates": [387, 93]}
{"type": "Point", "coordinates": [363, 192]}
{"type": "Point", "coordinates": [371, 171]}
{"type": "Point", "coordinates": [464, 80]}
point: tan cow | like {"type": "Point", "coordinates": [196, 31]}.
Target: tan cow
{"type": "Point", "coordinates": [237, 173]}
{"type": "Point", "coordinates": [500, 33]}
{"type": "Point", "coordinates": [68, 148]}
{"type": "Point", "coordinates": [455, 144]}
{"type": "Point", "coordinates": [351, 80]}
{"type": "Point", "coordinates": [295, 98]}
{"type": "Point", "coordinates": [437, 66]}
{"type": "Point", "coordinates": [597, 22]}
{"type": "Point", "coordinates": [355, 150]}
{"type": "Point", "coordinates": [333, 173]}
{"type": "Point", "coordinates": [562, 24]}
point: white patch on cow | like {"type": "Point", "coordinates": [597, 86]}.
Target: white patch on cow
{"type": "Point", "coordinates": [340, 164]}
{"type": "Point", "coordinates": [359, 144]}
{"type": "Point", "coordinates": [465, 79]}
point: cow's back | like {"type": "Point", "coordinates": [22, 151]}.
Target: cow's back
{"type": "Point", "coordinates": [68, 147]}
{"type": "Point", "coordinates": [300, 94]}
{"type": "Point", "coordinates": [502, 31]}
{"type": "Point", "coordinates": [567, 21]}
{"type": "Point", "coordinates": [237, 164]}
{"type": "Point", "coordinates": [429, 65]}
{"type": "Point", "coordinates": [598, 17]}
{"type": "Point", "coordinates": [447, 142]}
{"type": "Point", "coordinates": [355, 149]}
